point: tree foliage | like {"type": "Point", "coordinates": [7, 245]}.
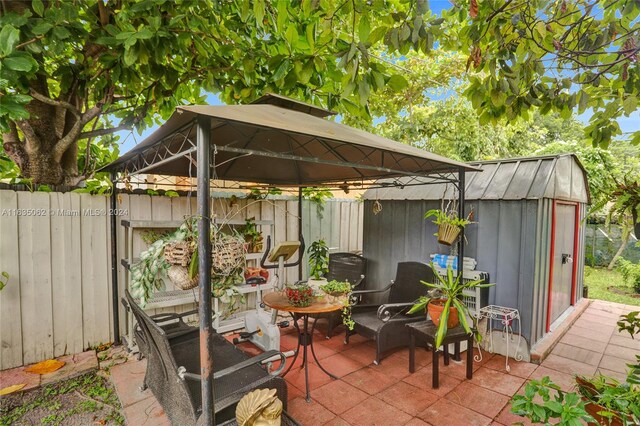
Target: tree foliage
{"type": "Point", "coordinates": [553, 55]}
{"type": "Point", "coordinates": [82, 69]}
{"type": "Point", "coordinates": [68, 67]}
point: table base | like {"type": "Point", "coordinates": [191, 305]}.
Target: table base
{"type": "Point", "coordinates": [305, 338]}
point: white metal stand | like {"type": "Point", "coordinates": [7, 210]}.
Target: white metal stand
{"type": "Point", "coordinates": [506, 316]}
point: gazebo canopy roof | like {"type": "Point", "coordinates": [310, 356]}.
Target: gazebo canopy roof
{"type": "Point", "coordinates": [276, 143]}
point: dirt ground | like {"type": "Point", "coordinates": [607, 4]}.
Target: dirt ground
{"type": "Point", "coordinates": [88, 399]}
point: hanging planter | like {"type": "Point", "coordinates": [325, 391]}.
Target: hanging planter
{"type": "Point", "coordinates": [449, 224]}
{"type": "Point", "coordinates": [178, 253]}
{"type": "Point", "coordinates": [447, 233]}
{"type": "Point", "coordinates": [179, 276]}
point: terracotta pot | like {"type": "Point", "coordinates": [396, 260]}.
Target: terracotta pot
{"type": "Point", "coordinates": [435, 308]}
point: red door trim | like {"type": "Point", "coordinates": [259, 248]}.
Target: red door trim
{"type": "Point", "coordinates": [574, 272]}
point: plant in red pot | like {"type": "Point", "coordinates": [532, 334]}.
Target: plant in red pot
{"type": "Point", "coordinates": [444, 302]}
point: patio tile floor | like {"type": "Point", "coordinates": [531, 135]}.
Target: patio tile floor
{"type": "Point", "coordinates": [386, 394]}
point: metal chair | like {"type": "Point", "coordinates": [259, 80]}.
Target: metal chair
{"type": "Point", "coordinates": [171, 364]}
{"type": "Point", "coordinates": [386, 323]}
{"type": "Point", "coordinates": [343, 267]}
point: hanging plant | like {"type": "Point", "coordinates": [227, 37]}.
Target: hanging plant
{"type": "Point", "coordinates": [449, 224]}
{"type": "Point", "coordinates": [148, 274]}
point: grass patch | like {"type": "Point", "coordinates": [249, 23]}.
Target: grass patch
{"type": "Point", "coordinates": [600, 280]}
{"type": "Point", "coordinates": [86, 399]}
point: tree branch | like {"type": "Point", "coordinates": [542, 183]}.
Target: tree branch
{"type": "Point", "coordinates": [103, 132]}
{"type": "Point", "coordinates": [57, 103]}
{"type": "Point", "coordinates": [71, 137]}
{"type": "Point", "coordinates": [31, 140]}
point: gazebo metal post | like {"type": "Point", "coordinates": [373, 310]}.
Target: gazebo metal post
{"type": "Point", "coordinates": [461, 187]}
{"type": "Point", "coordinates": [204, 268]}
{"type": "Point", "coordinates": [300, 229]}
{"type": "Point", "coordinates": [113, 222]}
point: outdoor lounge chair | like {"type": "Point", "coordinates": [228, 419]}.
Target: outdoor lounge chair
{"type": "Point", "coordinates": [172, 362]}
{"type": "Point", "coordinates": [343, 267]}
{"type": "Point", "coordinates": [385, 323]}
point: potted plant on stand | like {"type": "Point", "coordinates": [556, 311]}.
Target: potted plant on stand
{"type": "Point", "coordinates": [318, 264]}
{"type": "Point", "coordinates": [444, 302]}
{"type": "Point", "coordinates": [339, 292]}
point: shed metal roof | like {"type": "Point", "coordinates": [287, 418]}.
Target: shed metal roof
{"type": "Point", "coordinates": [560, 177]}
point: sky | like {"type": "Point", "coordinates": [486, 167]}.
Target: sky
{"type": "Point", "coordinates": [129, 139]}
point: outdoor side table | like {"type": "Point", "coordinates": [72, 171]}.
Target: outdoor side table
{"type": "Point", "coordinates": [278, 301]}
{"type": "Point", "coordinates": [427, 330]}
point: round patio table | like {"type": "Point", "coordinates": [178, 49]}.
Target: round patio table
{"type": "Point", "coordinates": [278, 301]}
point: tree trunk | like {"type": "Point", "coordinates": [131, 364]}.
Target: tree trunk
{"type": "Point", "coordinates": [625, 240]}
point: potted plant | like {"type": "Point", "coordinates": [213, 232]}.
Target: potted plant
{"type": "Point", "coordinates": [252, 237]}
{"type": "Point", "coordinates": [445, 306]}
{"type": "Point", "coordinates": [449, 224]}
{"type": "Point", "coordinates": [337, 291]}
{"type": "Point", "coordinates": [299, 295]}
{"type": "Point", "coordinates": [318, 263]}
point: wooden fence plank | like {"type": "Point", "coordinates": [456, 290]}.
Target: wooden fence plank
{"type": "Point", "coordinates": [66, 273]}
{"type": "Point", "coordinates": [10, 309]}
{"type": "Point", "coordinates": [35, 278]}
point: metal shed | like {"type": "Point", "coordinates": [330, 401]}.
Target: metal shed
{"type": "Point", "coordinates": [529, 230]}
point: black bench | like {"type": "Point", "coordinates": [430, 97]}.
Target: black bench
{"type": "Point", "coordinates": [173, 359]}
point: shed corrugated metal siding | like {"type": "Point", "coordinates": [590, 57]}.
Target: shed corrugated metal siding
{"type": "Point", "coordinates": [503, 242]}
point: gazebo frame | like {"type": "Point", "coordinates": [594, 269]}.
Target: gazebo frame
{"type": "Point", "coordinates": [319, 157]}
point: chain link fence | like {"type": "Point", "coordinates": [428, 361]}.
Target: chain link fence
{"type": "Point", "coordinates": [602, 243]}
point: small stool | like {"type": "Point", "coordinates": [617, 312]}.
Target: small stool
{"type": "Point", "coordinates": [427, 330]}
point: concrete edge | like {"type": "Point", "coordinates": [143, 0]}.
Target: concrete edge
{"type": "Point", "coordinates": [544, 346]}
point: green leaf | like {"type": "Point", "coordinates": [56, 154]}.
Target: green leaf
{"type": "Point", "coordinates": [554, 406]}
{"type": "Point", "coordinates": [281, 70]}
{"type": "Point", "coordinates": [292, 36]}
{"type": "Point", "coordinates": [130, 56]}
{"type": "Point", "coordinates": [397, 82]}
{"type": "Point", "coordinates": [9, 37]}
{"type": "Point", "coordinates": [144, 34]}
{"type": "Point", "coordinates": [17, 63]}
{"type": "Point", "coordinates": [41, 28]}
{"type": "Point", "coordinates": [61, 33]}
{"type": "Point", "coordinates": [630, 104]}
{"type": "Point", "coordinates": [364, 27]}
{"type": "Point", "coordinates": [38, 7]}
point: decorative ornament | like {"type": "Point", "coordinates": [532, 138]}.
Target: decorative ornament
{"type": "Point", "coordinates": [260, 407]}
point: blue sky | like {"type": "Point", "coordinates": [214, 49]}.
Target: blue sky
{"type": "Point", "coordinates": [129, 139]}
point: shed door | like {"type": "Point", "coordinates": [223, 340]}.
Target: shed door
{"type": "Point", "coordinates": [561, 289]}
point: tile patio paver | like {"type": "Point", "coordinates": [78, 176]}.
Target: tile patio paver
{"type": "Point", "coordinates": [562, 364]}
{"type": "Point", "coordinates": [505, 384]}
{"type": "Point", "coordinates": [423, 377]}
{"type": "Point", "coordinates": [625, 342]}
{"type": "Point", "coordinates": [583, 342]}
{"type": "Point", "coordinates": [614, 363]}
{"type": "Point", "coordinates": [408, 398]}
{"type": "Point", "coordinates": [520, 369]}
{"type": "Point", "coordinates": [339, 396]}
{"type": "Point", "coordinates": [577, 354]}
{"type": "Point", "coordinates": [445, 412]}
{"type": "Point", "coordinates": [375, 412]}
{"type": "Point", "coordinates": [564, 380]}
{"type": "Point", "coordinates": [309, 413]}
{"type": "Point", "coordinates": [386, 394]}
{"type": "Point", "coordinates": [369, 380]}
{"type": "Point", "coordinates": [478, 399]}
{"type": "Point", "coordinates": [622, 352]}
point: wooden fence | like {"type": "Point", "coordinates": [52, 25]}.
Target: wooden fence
{"type": "Point", "coordinates": [56, 249]}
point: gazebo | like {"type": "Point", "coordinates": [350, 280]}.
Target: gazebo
{"type": "Point", "coordinates": [276, 142]}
